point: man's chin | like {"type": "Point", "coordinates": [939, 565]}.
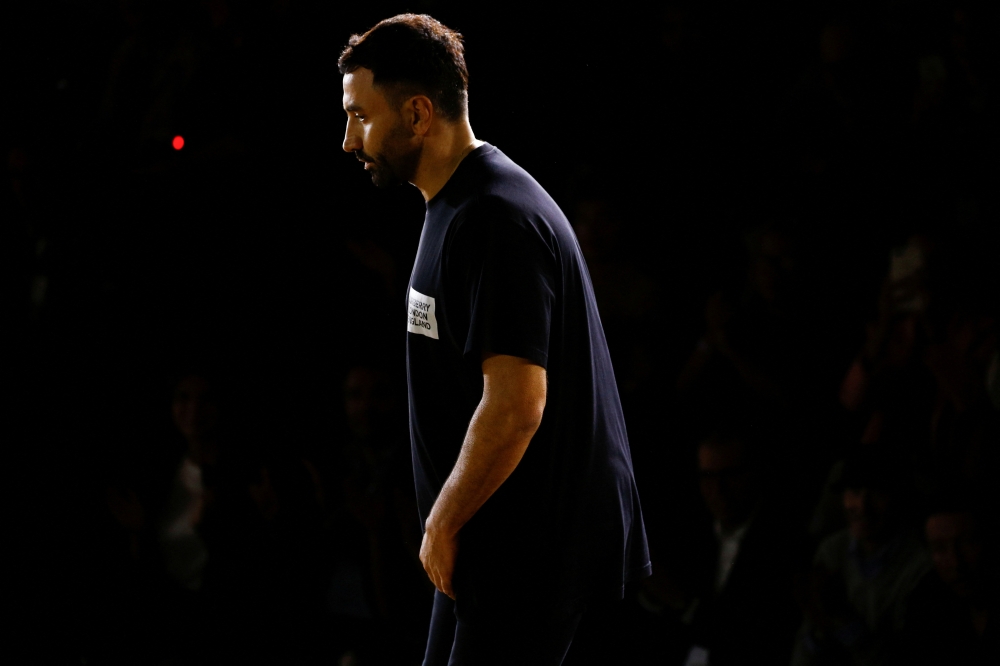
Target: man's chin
{"type": "Point", "coordinates": [382, 180]}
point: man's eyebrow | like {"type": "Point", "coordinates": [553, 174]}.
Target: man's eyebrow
{"type": "Point", "coordinates": [351, 108]}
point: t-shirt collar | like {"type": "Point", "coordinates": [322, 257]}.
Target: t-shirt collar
{"type": "Point", "coordinates": [461, 170]}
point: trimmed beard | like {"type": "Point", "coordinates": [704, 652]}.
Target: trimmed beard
{"type": "Point", "coordinates": [397, 164]}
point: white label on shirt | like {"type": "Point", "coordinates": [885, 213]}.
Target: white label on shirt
{"type": "Point", "coordinates": [698, 656]}
{"type": "Point", "coordinates": [420, 315]}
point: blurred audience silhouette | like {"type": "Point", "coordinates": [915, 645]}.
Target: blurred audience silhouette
{"type": "Point", "coordinates": [799, 283]}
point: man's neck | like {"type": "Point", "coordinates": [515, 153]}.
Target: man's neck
{"type": "Point", "coordinates": [442, 153]}
{"type": "Point", "coordinates": [737, 522]}
{"type": "Point", "coordinates": [202, 451]}
{"type": "Point", "coordinates": [874, 545]}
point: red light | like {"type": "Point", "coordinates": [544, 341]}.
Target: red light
{"type": "Point", "coordinates": [178, 142]}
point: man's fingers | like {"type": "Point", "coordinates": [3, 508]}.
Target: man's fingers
{"type": "Point", "coordinates": [431, 573]}
{"type": "Point", "coordinates": [443, 583]}
{"type": "Point", "coordinates": [444, 578]}
{"type": "Point", "coordinates": [438, 562]}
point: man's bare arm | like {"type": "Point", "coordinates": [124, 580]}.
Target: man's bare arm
{"type": "Point", "coordinates": [501, 428]}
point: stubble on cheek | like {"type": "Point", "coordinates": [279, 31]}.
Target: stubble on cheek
{"type": "Point", "coordinates": [382, 175]}
{"type": "Point", "coordinates": [397, 161]}
{"type": "Point", "coordinates": [400, 157]}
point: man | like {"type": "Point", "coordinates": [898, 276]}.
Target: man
{"type": "Point", "coordinates": [744, 610]}
{"type": "Point", "coordinates": [523, 474]}
{"type": "Point", "coordinates": [864, 575]}
{"type": "Point", "coordinates": [953, 616]}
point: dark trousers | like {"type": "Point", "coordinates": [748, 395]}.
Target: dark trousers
{"type": "Point", "coordinates": [520, 634]}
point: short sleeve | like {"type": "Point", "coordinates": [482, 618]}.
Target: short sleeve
{"type": "Point", "coordinates": [507, 274]}
{"type": "Point", "coordinates": [832, 550]}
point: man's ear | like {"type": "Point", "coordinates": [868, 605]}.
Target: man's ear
{"type": "Point", "coordinates": [419, 113]}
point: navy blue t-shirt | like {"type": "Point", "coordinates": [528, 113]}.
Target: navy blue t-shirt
{"type": "Point", "coordinates": [499, 270]}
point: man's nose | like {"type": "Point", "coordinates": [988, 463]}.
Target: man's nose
{"type": "Point", "coordinates": [950, 558]}
{"type": "Point", "coordinates": [352, 141]}
{"type": "Point", "coordinates": [710, 486]}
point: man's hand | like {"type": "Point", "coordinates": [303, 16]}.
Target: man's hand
{"type": "Point", "coordinates": [503, 425]}
{"type": "Point", "coordinates": [437, 554]}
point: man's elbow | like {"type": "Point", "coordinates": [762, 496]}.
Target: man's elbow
{"type": "Point", "coordinates": [526, 416]}
{"type": "Point", "coordinates": [518, 419]}
{"type": "Point", "coordinates": [533, 415]}
{"type": "Point", "coordinates": [514, 393]}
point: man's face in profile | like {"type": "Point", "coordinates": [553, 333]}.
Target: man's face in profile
{"type": "Point", "coordinates": [728, 484]}
{"type": "Point", "coordinates": [377, 133]}
{"type": "Point", "coordinates": [868, 512]}
{"type": "Point", "coordinates": [957, 551]}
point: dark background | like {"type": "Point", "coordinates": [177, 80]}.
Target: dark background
{"type": "Point", "coordinates": [262, 246]}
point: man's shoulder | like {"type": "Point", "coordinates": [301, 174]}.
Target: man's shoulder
{"type": "Point", "coordinates": [503, 185]}
{"type": "Point", "coordinates": [914, 560]}
{"type": "Point", "coordinates": [496, 196]}
{"type": "Point", "coordinates": [832, 551]}
{"type": "Point", "coordinates": [774, 535]}
{"type": "Point", "coordinates": [501, 209]}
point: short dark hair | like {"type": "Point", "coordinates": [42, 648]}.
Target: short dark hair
{"type": "Point", "coordinates": [740, 430]}
{"type": "Point", "coordinates": [413, 54]}
{"type": "Point", "coordinates": [877, 467]}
